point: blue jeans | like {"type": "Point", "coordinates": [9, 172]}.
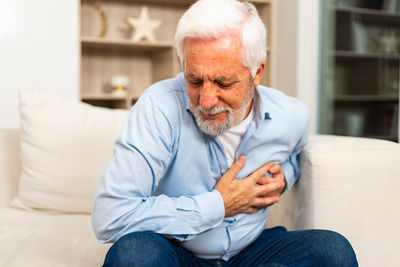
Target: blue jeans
{"type": "Point", "coordinates": [274, 247]}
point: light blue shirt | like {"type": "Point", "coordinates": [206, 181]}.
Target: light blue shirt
{"type": "Point", "coordinates": [164, 168]}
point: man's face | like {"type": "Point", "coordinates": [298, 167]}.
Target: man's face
{"type": "Point", "coordinates": [219, 87]}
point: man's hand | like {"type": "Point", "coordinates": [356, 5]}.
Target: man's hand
{"type": "Point", "coordinates": [253, 192]}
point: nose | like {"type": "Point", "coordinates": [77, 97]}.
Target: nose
{"type": "Point", "coordinates": [208, 96]}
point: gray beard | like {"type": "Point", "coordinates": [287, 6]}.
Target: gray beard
{"type": "Point", "coordinates": [211, 128]}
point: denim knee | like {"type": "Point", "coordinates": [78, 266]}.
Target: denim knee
{"type": "Point", "coordinates": [140, 249]}
{"type": "Point", "coordinates": [331, 249]}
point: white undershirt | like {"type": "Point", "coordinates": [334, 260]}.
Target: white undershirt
{"type": "Point", "coordinates": [231, 139]}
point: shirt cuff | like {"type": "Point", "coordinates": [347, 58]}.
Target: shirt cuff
{"type": "Point", "coordinates": [211, 207]}
{"type": "Point", "coordinates": [289, 173]}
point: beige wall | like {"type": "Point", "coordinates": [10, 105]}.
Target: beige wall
{"type": "Point", "coordinates": [35, 39]}
{"type": "Point", "coordinates": [297, 52]}
{"type": "Point", "coordinates": [286, 46]}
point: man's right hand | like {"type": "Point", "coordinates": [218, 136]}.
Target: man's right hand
{"type": "Point", "coordinates": [246, 195]}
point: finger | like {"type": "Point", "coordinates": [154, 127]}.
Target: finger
{"type": "Point", "coordinates": [270, 188]}
{"type": "Point", "coordinates": [275, 169]}
{"type": "Point", "coordinates": [263, 202]}
{"type": "Point", "coordinates": [265, 180]}
{"type": "Point", "coordinates": [272, 194]}
{"type": "Point", "coordinates": [257, 174]}
{"type": "Point", "coordinates": [236, 166]}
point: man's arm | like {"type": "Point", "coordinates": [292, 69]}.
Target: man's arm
{"type": "Point", "coordinates": [126, 205]}
{"type": "Point", "coordinates": [125, 200]}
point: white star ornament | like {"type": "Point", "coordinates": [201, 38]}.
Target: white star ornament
{"type": "Point", "coordinates": [144, 26]}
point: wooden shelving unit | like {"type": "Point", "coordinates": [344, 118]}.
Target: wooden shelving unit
{"type": "Point", "coordinates": [352, 54]}
{"type": "Point", "coordinates": [366, 98]}
{"type": "Point", "coordinates": [143, 62]}
{"type": "Point", "coordinates": [361, 76]}
{"type": "Point", "coordinates": [366, 11]}
{"type": "Point", "coordinates": [120, 44]}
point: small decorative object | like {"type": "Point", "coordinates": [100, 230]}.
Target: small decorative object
{"type": "Point", "coordinates": [388, 42]}
{"type": "Point", "coordinates": [102, 14]}
{"type": "Point", "coordinates": [119, 84]}
{"type": "Point", "coordinates": [143, 26]}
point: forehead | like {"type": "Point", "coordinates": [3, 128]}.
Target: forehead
{"type": "Point", "coordinates": [226, 43]}
{"type": "Point", "coordinates": [222, 54]}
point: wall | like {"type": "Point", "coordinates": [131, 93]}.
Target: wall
{"type": "Point", "coordinates": [308, 50]}
{"type": "Point", "coordinates": [286, 46]}
{"type": "Point", "coordinates": [39, 48]}
{"type": "Point", "coordinates": [297, 50]}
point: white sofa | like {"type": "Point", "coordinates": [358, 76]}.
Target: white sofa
{"type": "Point", "coordinates": [49, 171]}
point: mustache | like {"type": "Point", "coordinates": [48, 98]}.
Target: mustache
{"type": "Point", "coordinates": [213, 110]}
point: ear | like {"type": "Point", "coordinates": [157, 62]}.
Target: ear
{"type": "Point", "coordinates": [259, 73]}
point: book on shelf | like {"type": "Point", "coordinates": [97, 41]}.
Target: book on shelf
{"type": "Point", "coordinates": [392, 6]}
{"type": "Point", "coordinates": [394, 131]}
{"type": "Point", "coordinates": [360, 37]}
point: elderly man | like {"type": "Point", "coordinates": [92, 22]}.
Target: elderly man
{"type": "Point", "coordinates": [202, 156]}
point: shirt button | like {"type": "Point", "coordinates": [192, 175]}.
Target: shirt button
{"type": "Point", "coordinates": [223, 170]}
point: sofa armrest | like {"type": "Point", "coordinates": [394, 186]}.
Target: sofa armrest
{"type": "Point", "coordinates": [352, 186]}
{"type": "Point", "coordinates": [10, 164]}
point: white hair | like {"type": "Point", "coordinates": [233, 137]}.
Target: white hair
{"type": "Point", "coordinates": [215, 18]}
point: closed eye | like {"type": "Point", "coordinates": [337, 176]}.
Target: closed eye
{"type": "Point", "coordinates": [196, 82]}
{"type": "Point", "coordinates": [224, 85]}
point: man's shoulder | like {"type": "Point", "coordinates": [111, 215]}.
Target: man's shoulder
{"type": "Point", "coordinates": [173, 87]}
{"type": "Point", "coordinates": [164, 99]}
{"type": "Point", "coordinates": [278, 101]}
{"type": "Point", "coordinates": [292, 115]}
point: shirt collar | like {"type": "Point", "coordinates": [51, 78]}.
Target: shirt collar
{"type": "Point", "coordinates": [261, 107]}
{"type": "Point", "coordinates": [181, 77]}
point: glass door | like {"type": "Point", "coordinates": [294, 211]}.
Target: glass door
{"type": "Point", "coordinates": [360, 68]}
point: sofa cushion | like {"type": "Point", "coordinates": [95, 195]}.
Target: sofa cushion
{"type": "Point", "coordinates": [349, 185]}
{"type": "Point", "coordinates": [65, 147]}
{"type": "Point", "coordinates": [10, 164]}
{"type": "Point", "coordinates": [44, 239]}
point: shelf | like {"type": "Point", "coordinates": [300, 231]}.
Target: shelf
{"type": "Point", "coordinates": [138, 46]}
{"type": "Point", "coordinates": [189, 2]}
{"type": "Point", "coordinates": [351, 54]}
{"type": "Point", "coordinates": [267, 2]}
{"type": "Point", "coordinates": [367, 98]}
{"type": "Point", "coordinates": [367, 11]}
{"type": "Point", "coordinates": [103, 97]}
{"type": "Point", "coordinates": [384, 137]}
{"type": "Point", "coordinates": [108, 100]}
{"type": "Point", "coordinates": [144, 63]}
{"type": "Point", "coordinates": [359, 81]}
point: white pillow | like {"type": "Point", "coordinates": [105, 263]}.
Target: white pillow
{"type": "Point", "coordinates": [65, 148]}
